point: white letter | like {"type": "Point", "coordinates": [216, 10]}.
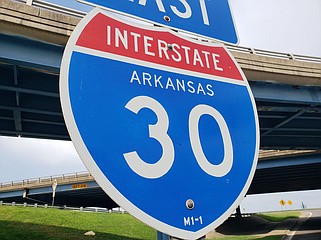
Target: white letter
{"type": "Point", "coordinates": [162, 47]}
{"type": "Point", "coordinates": [216, 62]}
{"type": "Point", "coordinates": [180, 85]}
{"type": "Point", "coordinates": [123, 38]}
{"type": "Point", "coordinates": [186, 14]}
{"type": "Point", "coordinates": [169, 83]}
{"type": "Point", "coordinates": [206, 54]}
{"type": "Point", "coordinates": [135, 77]}
{"type": "Point", "coordinates": [136, 36]}
{"type": "Point", "coordinates": [200, 89]}
{"type": "Point", "coordinates": [197, 58]}
{"type": "Point", "coordinates": [187, 221]}
{"type": "Point", "coordinates": [108, 35]}
{"type": "Point", "coordinates": [209, 89]}
{"type": "Point", "coordinates": [186, 50]}
{"type": "Point", "coordinates": [179, 57]}
{"type": "Point", "coordinates": [147, 45]}
{"type": "Point", "coordinates": [146, 78]}
{"type": "Point", "coordinates": [204, 12]}
{"type": "Point", "coordinates": [191, 89]}
{"type": "Point", "coordinates": [157, 81]}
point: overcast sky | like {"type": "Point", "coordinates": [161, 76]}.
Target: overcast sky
{"type": "Point", "coordinates": [290, 26]}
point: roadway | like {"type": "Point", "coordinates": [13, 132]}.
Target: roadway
{"type": "Point", "coordinates": [307, 227]}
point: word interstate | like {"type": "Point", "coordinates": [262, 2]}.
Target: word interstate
{"type": "Point", "coordinates": [149, 46]}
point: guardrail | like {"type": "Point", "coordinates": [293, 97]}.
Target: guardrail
{"type": "Point", "coordinates": [77, 13]}
{"type": "Point", "coordinates": [64, 207]}
{"type": "Point", "coordinates": [48, 179]}
{"type": "Point", "coordinates": [274, 54]}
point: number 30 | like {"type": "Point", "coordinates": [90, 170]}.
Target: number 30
{"type": "Point", "coordinates": [159, 132]}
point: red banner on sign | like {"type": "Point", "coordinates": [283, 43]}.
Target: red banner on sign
{"type": "Point", "coordinates": [158, 46]}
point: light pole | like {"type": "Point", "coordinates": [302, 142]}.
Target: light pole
{"type": "Point", "coordinates": [54, 186]}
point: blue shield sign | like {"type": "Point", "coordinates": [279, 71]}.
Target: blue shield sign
{"type": "Point", "coordinates": [207, 18]}
{"type": "Point", "coordinates": [166, 125]}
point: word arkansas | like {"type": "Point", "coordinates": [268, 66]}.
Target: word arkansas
{"type": "Point", "coordinates": [168, 83]}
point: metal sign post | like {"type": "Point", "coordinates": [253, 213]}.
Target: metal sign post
{"type": "Point", "coordinates": [162, 236]}
{"type": "Point", "coordinates": [167, 125]}
{"type": "Point", "coordinates": [54, 187]}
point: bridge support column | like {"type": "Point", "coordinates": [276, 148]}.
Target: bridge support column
{"type": "Point", "coordinates": [238, 212]}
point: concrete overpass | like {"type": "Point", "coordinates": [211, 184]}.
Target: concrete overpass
{"type": "Point", "coordinates": [286, 87]}
{"type": "Point", "coordinates": [275, 173]}
{"type": "Point", "coordinates": [32, 39]}
{"type": "Point", "coordinates": [79, 189]}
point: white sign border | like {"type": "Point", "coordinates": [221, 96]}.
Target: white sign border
{"type": "Point", "coordinates": [89, 162]}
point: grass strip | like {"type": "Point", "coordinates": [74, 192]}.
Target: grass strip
{"type": "Point", "coordinates": [53, 224]}
{"type": "Point", "coordinates": [279, 216]}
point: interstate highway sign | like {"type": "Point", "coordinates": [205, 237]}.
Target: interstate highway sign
{"type": "Point", "coordinates": [166, 125]}
{"type": "Point", "coordinates": [207, 18]}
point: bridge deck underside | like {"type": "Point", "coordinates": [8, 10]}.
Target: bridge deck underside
{"type": "Point", "coordinates": [289, 116]}
{"type": "Point", "coordinates": [93, 197]}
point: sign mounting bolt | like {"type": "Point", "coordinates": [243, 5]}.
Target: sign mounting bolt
{"type": "Point", "coordinates": [190, 204]}
{"type": "Point", "coordinates": [167, 18]}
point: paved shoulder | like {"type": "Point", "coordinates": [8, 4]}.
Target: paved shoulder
{"type": "Point", "coordinates": [308, 227]}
